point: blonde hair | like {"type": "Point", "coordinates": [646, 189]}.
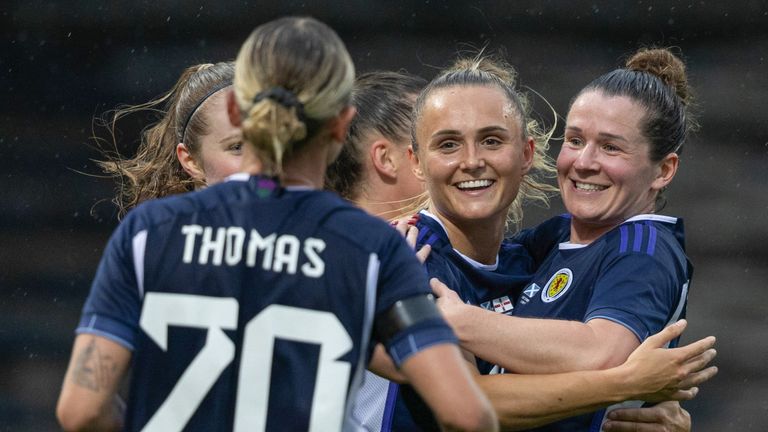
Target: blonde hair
{"type": "Point", "coordinates": [291, 75]}
{"type": "Point", "coordinates": [487, 71]}
{"type": "Point", "coordinates": [155, 171]}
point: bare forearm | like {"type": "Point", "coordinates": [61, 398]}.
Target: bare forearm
{"type": "Point", "coordinates": [526, 401]}
{"type": "Point", "coordinates": [527, 345]}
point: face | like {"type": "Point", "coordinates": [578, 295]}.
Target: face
{"type": "Point", "coordinates": [220, 150]}
{"type": "Point", "coordinates": [604, 170]}
{"type": "Point", "coordinates": [472, 154]}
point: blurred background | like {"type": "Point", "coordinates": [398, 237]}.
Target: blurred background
{"type": "Point", "coordinates": [61, 63]}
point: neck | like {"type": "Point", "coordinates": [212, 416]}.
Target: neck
{"type": "Point", "coordinates": [479, 240]}
{"type": "Point", "coordinates": [385, 202]}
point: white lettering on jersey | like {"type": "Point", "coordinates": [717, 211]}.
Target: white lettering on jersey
{"type": "Point", "coordinates": [212, 246]}
{"type": "Point", "coordinates": [315, 267]}
{"type": "Point", "coordinates": [274, 253]}
{"type": "Point", "coordinates": [190, 231]}
{"type": "Point", "coordinates": [257, 242]}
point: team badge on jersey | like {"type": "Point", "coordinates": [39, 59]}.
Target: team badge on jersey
{"type": "Point", "coordinates": [557, 286]}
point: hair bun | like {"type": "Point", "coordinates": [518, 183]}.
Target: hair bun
{"type": "Point", "coordinates": [665, 65]}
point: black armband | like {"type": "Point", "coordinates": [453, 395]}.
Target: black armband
{"type": "Point", "coordinates": [404, 314]}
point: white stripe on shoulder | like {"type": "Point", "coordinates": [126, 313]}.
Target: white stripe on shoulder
{"type": "Point", "coordinates": [139, 244]}
{"type": "Point", "coordinates": [653, 217]}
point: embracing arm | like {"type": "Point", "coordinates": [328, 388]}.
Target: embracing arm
{"type": "Point", "coordinates": [88, 399]}
{"type": "Point", "coordinates": [536, 346]}
{"type": "Point", "coordinates": [651, 373]}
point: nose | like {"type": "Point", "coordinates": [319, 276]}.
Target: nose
{"type": "Point", "coordinates": [587, 158]}
{"type": "Point", "coordinates": [473, 159]}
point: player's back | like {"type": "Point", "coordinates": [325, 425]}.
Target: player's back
{"type": "Point", "coordinates": [256, 307]}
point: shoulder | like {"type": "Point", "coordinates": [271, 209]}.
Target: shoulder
{"type": "Point", "coordinates": [647, 234]}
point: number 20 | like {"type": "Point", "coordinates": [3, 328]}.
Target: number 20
{"type": "Point", "coordinates": [217, 314]}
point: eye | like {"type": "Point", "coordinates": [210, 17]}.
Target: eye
{"type": "Point", "coordinates": [236, 147]}
{"type": "Point", "coordinates": [492, 142]}
{"type": "Point", "coordinates": [611, 148]}
{"type": "Point", "coordinates": [574, 141]}
{"type": "Point", "coordinates": [447, 145]}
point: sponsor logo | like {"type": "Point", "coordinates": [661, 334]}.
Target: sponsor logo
{"type": "Point", "coordinates": [557, 286]}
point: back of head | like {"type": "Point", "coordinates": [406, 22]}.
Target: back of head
{"type": "Point", "coordinates": [155, 171]}
{"type": "Point", "coordinates": [291, 75]}
{"type": "Point", "coordinates": [487, 71]}
{"type": "Point", "coordinates": [384, 101]}
{"type": "Point", "coordinates": [655, 79]}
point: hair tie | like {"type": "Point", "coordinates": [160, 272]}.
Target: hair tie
{"type": "Point", "coordinates": [214, 90]}
{"type": "Point", "coordinates": [284, 97]}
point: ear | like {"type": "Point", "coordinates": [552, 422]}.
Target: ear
{"type": "Point", "coordinates": [529, 149]}
{"type": "Point", "coordinates": [339, 126]}
{"type": "Point", "coordinates": [667, 170]}
{"type": "Point", "coordinates": [233, 111]}
{"type": "Point", "coordinates": [382, 158]}
{"type": "Point", "coordinates": [189, 163]}
{"type": "Point", "coordinates": [415, 164]}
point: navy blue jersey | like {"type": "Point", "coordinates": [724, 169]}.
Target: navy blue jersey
{"type": "Point", "coordinates": [389, 406]}
{"type": "Point", "coordinates": [251, 307]}
{"type": "Point", "coordinates": [636, 275]}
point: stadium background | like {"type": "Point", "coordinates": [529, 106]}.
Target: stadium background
{"type": "Point", "coordinates": [63, 62]}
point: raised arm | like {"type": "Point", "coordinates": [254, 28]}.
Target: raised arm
{"type": "Point", "coordinates": [88, 399]}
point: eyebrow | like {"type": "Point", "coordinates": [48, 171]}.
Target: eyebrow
{"type": "Point", "coordinates": [452, 132]}
{"type": "Point", "coordinates": [601, 134]}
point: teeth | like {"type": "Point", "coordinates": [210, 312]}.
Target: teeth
{"type": "Point", "coordinates": [589, 187]}
{"type": "Point", "coordinates": [474, 184]}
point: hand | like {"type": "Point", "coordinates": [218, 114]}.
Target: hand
{"type": "Point", "coordinates": [406, 228]}
{"type": "Point", "coordinates": [658, 374]}
{"type": "Point", "coordinates": [448, 301]}
{"type": "Point", "coordinates": [664, 417]}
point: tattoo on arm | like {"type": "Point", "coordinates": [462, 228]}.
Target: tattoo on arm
{"type": "Point", "coordinates": [93, 369]}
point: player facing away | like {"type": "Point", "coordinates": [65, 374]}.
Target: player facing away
{"type": "Point", "coordinates": [254, 304]}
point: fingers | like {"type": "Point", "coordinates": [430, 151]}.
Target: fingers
{"type": "Point", "coordinates": [663, 337]}
{"type": "Point", "coordinates": [684, 395]}
{"type": "Point", "coordinates": [438, 288]}
{"type": "Point", "coordinates": [694, 349]}
{"type": "Point", "coordinates": [622, 426]}
{"type": "Point", "coordinates": [698, 378]}
{"type": "Point", "coordinates": [423, 253]}
{"type": "Point", "coordinates": [635, 415]}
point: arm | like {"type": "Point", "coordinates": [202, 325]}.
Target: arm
{"type": "Point", "coordinates": [666, 416]}
{"type": "Point", "coordinates": [551, 346]}
{"type": "Point", "coordinates": [441, 377]}
{"type": "Point", "coordinates": [651, 373]}
{"type": "Point", "coordinates": [89, 399]}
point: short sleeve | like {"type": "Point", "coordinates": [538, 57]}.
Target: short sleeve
{"type": "Point", "coordinates": [400, 277]}
{"type": "Point", "coordinates": [636, 291]}
{"type": "Point", "coordinates": [113, 305]}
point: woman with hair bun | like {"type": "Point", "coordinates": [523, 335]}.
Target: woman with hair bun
{"type": "Point", "coordinates": [254, 304]}
{"type": "Point", "coordinates": [617, 272]}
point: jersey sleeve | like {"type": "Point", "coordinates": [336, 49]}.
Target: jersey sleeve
{"type": "Point", "coordinates": [400, 277]}
{"type": "Point", "coordinates": [113, 305]}
{"type": "Point", "coordinates": [637, 291]}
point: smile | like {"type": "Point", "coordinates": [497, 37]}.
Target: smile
{"type": "Point", "coordinates": [474, 184]}
{"type": "Point", "coordinates": [589, 187]}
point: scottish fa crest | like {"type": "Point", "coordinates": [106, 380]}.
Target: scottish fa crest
{"type": "Point", "coordinates": [557, 286]}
